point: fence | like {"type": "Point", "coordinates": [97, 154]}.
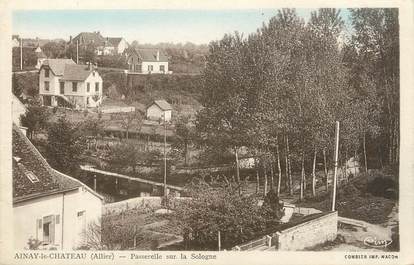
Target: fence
{"type": "Point", "coordinates": [251, 245]}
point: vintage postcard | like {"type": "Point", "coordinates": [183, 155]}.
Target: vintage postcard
{"type": "Point", "coordinates": [188, 132]}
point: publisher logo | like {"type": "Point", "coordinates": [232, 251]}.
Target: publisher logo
{"type": "Point", "coordinates": [377, 243]}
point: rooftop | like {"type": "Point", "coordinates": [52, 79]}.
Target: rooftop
{"type": "Point", "coordinates": [150, 55]}
{"type": "Point", "coordinates": [58, 65]}
{"type": "Point", "coordinates": [77, 72]}
{"type": "Point", "coordinates": [163, 104]}
{"type": "Point", "coordinates": [32, 175]}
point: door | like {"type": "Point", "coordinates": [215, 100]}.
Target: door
{"type": "Point", "coordinates": [62, 88]}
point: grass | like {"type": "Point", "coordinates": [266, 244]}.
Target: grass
{"type": "Point", "coordinates": [353, 201]}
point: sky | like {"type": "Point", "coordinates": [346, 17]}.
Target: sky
{"type": "Point", "coordinates": [145, 26]}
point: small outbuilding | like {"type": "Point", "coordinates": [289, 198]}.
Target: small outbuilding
{"type": "Point", "coordinates": [159, 109]}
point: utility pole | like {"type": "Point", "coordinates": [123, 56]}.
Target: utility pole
{"type": "Point", "coordinates": [21, 54]}
{"type": "Point", "coordinates": [165, 162]}
{"type": "Point", "coordinates": [219, 240]}
{"type": "Point", "coordinates": [336, 165]}
{"type": "Point", "coordinates": [77, 52]}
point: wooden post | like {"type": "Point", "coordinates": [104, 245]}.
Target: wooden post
{"type": "Point", "coordinates": [219, 241]}
{"type": "Point", "coordinates": [135, 236]}
{"type": "Point", "coordinates": [21, 54]}
{"type": "Point", "coordinates": [336, 165]}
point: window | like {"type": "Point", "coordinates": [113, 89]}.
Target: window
{"type": "Point", "coordinates": [57, 219]}
{"type": "Point", "coordinates": [46, 72]}
{"type": "Point", "coordinates": [47, 85]}
{"type": "Point", "coordinates": [88, 87]}
{"type": "Point", "coordinates": [48, 229]}
{"type": "Point", "coordinates": [81, 213]}
{"type": "Point", "coordinates": [32, 177]}
{"type": "Point", "coordinates": [74, 86]}
{"type": "Point", "coordinates": [62, 87]}
{"type": "Point", "coordinates": [162, 68]}
{"type": "Point", "coordinates": [96, 87]}
{"type": "Point", "coordinates": [150, 68]}
{"type": "Point", "coordinates": [93, 73]}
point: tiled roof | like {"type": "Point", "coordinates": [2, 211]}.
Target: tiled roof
{"type": "Point", "coordinates": [77, 72]}
{"type": "Point", "coordinates": [150, 55]}
{"type": "Point", "coordinates": [89, 37]}
{"type": "Point", "coordinates": [114, 41]}
{"type": "Point", "coordinates": [58, 65]}
{"type": "Point", "coordinates": [164, 105]}
{"type": "Point", "coordinates": [27, 161]}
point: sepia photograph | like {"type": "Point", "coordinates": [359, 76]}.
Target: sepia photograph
{"type": "Point", "coordinates": [217, 130]}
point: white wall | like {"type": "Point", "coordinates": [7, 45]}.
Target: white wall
{"type": "Point", "coordinates": [122, 46]}
{"type": "Point", "coordinates": [53, 83]}
{"type": "Point", "coordinates": [25, 215]}
{"type": "Point", "coordinates": [156, 67]}
{"type": "Point", "coordinates": [155, 113]}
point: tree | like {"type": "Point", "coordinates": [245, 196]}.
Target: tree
{"type": "Point", "coordinates": [121, 156]}
{"type": "Point", "coordinates": [34, 119]}
{"type": "Point", "coordinates": [54, 49]}
{"type": "Point", "coordinates": [65, 145]}
{"type": "Point", "coordinates": [215, 207]}
{"type": "Point", "coordinates": [376, 39]}
{"type": "Point", "coordinates": [130, 120]}
{"type": "Point", "coordinates": [184, 136]}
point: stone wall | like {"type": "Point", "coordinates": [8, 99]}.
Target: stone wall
{"type": "Point", "coordinates": [139, 203]}
{"type": "Point", "coordinates": [307, 234]}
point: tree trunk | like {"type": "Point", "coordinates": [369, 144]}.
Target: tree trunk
{"type": "Point", "coordinates": [265, 178]}
{"type": "Point", "coordinates": [272, 183]}
{"type": "Point", "coordinates": [314, 174]}
{"type": "Point", "coordinates": [302, 177]}
{"type": "Point", "coordinates": [237, 168]}
{"type": "Point", "coordinates": [279, 179]}
{"type": "Point", "coordinates": [185, 154]}
{"type": "Point", "coordinates": [325, 170]}
{"type": "Point", "coordinates": [365, 154]}
{"type": "Point", "coordinates": [257, 176]}
{"type": "Point", "coordinates": [288, 167]}
{"type": "Point", "coordinates": [346, 165]}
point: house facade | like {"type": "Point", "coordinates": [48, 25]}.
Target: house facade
{"type": "Point", "coordinates": [48, 206]}
{"type": "Point", "coordinates": [112, 46]}
{"type": "Point", "coordinates": [147, 61]}
{"type": "Point", "coordinates": [63, 83]}
{"type": "Point", "coordinates": [159, 109]}
{"type": "Point", "coordinates": [103, 45]}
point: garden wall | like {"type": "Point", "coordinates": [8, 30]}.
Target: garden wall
{"type": "Point", "coordinates": [317, 230]}
{"type": "Point", "coordinates": [139, 203]}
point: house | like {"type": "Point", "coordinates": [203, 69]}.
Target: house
{"type": "Point", "coordinates": [158, 110]}
{"type": "Point", "coordinates": [147, 61]}
{"type": "Point", "coordinates": [48, 206]}
{"type": "Point", "coordinates": [102, 45]}
{"type": "Point", "coordinates": [113, 46]}
{"type": "Point", "coordinates": [63, 83]}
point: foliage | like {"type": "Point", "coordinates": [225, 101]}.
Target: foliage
{"type": "Point", "coordinates": [34, 244]}
{"type": "Point", "coordinates": [65, 144]}
{"type": "Point", "coordinates": [26, 83]}
{"type": "Point", "coordinates": [214, 207]}
{"type": "Point", "coordinates": [34, 119]}
{"type": "Point", "coordinates": [54, 49]}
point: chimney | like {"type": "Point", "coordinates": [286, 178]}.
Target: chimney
{"type": "Point", "coordinates": [70, 38]}
{"type": "Point", "coordinates": [158, 55]}
{"type": "Point", "coordinates": [90, 66]}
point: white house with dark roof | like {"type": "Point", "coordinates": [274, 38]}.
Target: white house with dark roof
{"type": "Point", "coordinates": [159, 109]}
{"type": "Point", "coordinates": [147, 61]}
{"type": "Point", "coordinates": [63, 83]}
{"type": "Point", "coordinates": [103, 45]}
{"type": "Point", "coordinates": [48, 206]}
